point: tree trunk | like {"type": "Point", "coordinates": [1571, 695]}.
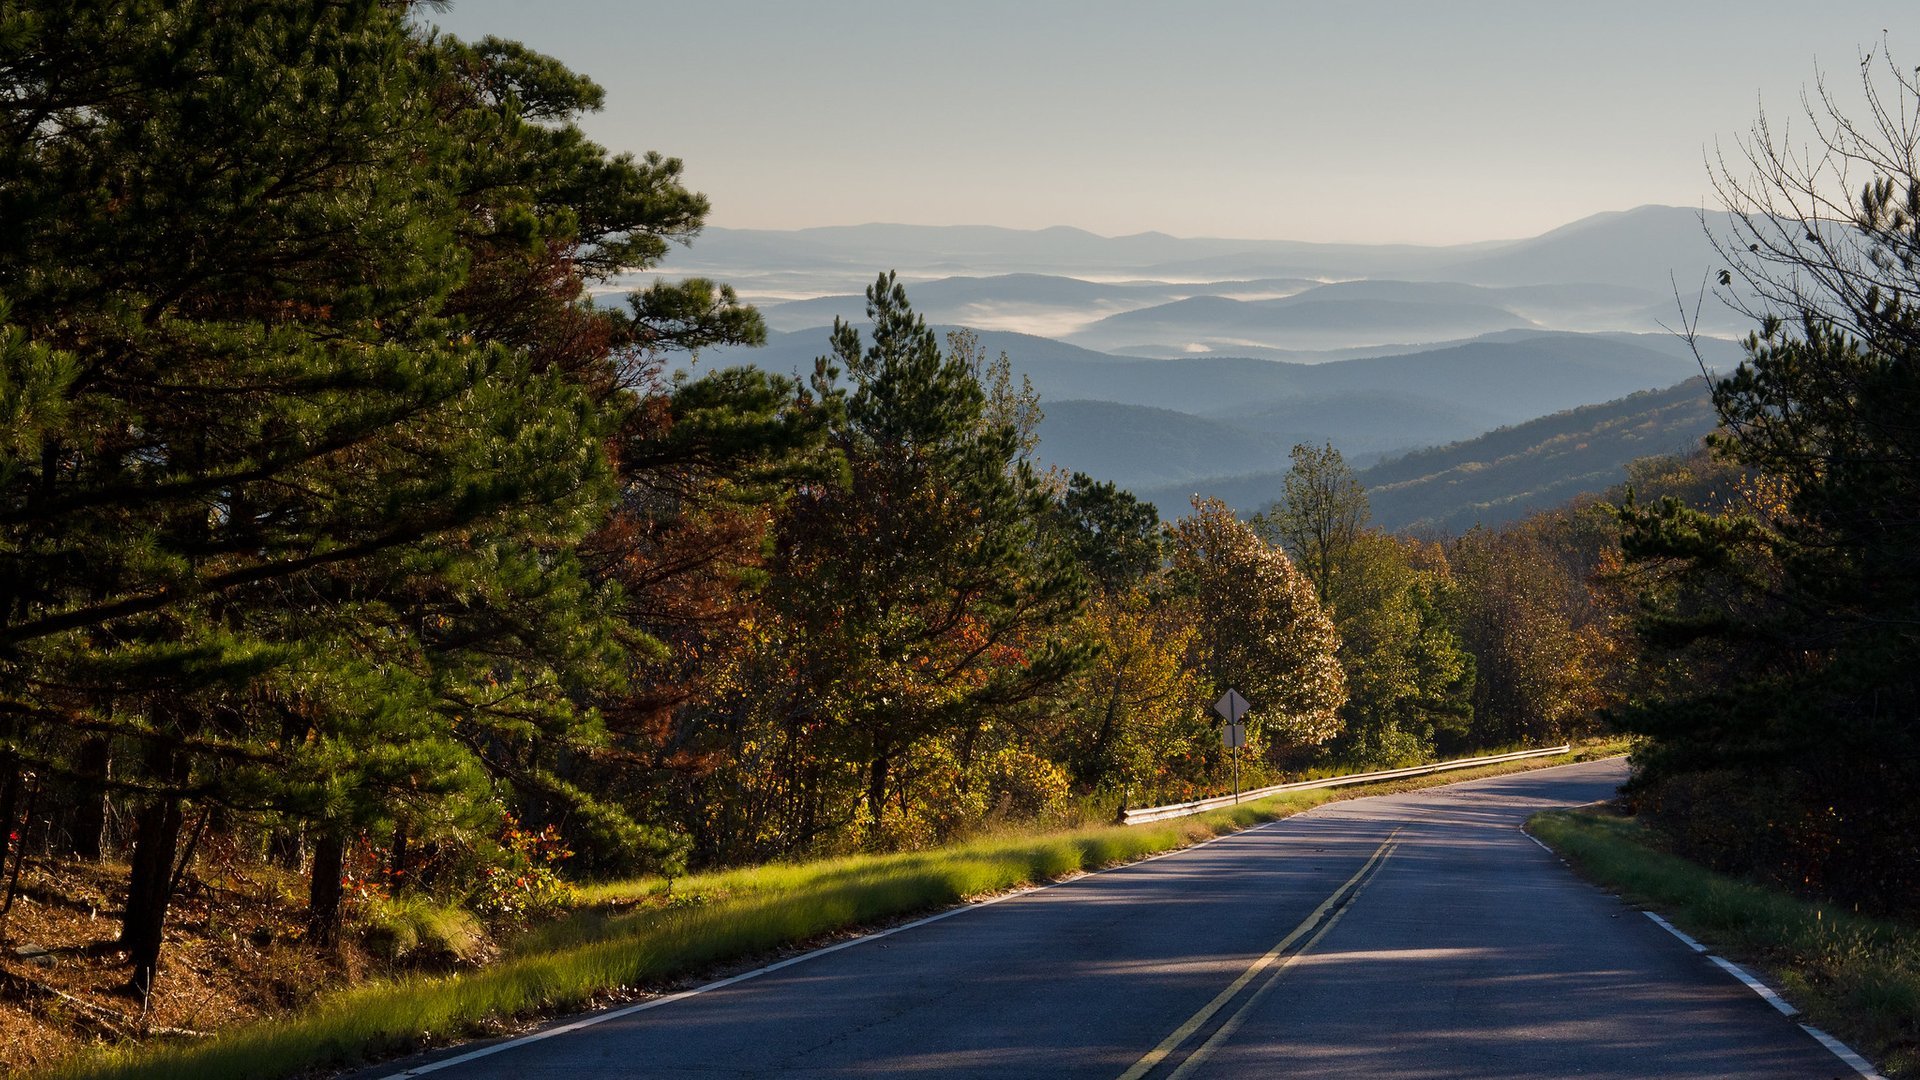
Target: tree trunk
{"type": "Point", "coordinates": [1097, 762]}
{"type": "Point", "coordinates": [324, 892]}
{"type": "Point", "coordinates": [19, 851]}
{"type": "Point", "coordinates": [156, 835]}
{"type": "Point", "coordinates": [150, 876]}
{"type": "Point", "coordinates": [90, 815]}
{"type": "Point", "coordinates": [966, 748]}
{"type": "Point", "coordinates": [877, 787]}
{"type": "Point", "coordinates": [9, 803]}
{"type": "Point", "coordinates": [285, 850]}
{"type": "Point", "coordinates": [397, 859]}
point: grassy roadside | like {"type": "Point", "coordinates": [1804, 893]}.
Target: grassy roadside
{"type": "Point", "coordinates": [641, 933]}
{"type": "Point", "coordinates": [1856, 977]}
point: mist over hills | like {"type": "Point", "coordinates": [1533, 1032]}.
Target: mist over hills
{"type": "Point", "coordinates": [1278, 318]}
{"type": "Point", "coordinates": [1165, 362]}
{"type": "Point", "coordinates": [1047, 303]}
{"type": "Point", "coordinates": [1511, 378]}
{"type": "Point", "coordinates": [1309, 320]}
{"type": "Point", "coordinates": [920, 249]}
{"type": "Point", "coordinates": [1146, 423]}
{"type": "Point", "coordinates": [1646, 248]}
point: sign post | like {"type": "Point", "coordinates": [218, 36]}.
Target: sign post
{"type": "Point", "coordinates": [1232, 706]}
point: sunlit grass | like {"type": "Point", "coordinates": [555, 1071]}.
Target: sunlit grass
{"type": "Point", "coordinates": [1856, 977]}
{"type": "Point", "coordinates": [635, 933]}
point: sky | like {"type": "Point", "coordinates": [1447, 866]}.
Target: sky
{"type": "Point", "coordinates": [1352, 121]}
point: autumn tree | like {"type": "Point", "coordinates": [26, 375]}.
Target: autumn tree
{"type": "Point", "coordinates": [1259, 628]}
{"type": "Point", "coordinates": [1407, 677]}
{"type": "Point", "coordinates": [1137, 715]}
{"type": "Point", "coordinates": [1322, 509]}
{"type": "Point", "coordinates": [1534, 679]}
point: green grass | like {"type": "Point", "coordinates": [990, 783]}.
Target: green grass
{"type": "Point", "coordinates": [409, 927]}
{"type": "Point", "coordinates": [636, 933]}
{"type": "Point", "coordinates": [1856, 977]}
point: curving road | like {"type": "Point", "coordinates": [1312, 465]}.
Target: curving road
{"type": "Point", "coordinates": [1401, 936]}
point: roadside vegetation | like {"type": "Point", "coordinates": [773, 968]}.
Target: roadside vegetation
{"type": "Point", "coordinates": [1853, 975]}
{"type": "Point", "coordinates": [617, 941]}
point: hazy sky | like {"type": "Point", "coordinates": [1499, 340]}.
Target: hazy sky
{"type": "Point", "coordinates": [1429, 122]}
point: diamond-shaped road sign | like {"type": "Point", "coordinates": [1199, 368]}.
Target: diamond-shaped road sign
{"type": "Point", "coordinates": [1231, 706]}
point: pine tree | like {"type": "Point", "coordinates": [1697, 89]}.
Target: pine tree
{"type": "Point", "coordinates": [921, 593]}
{"type": "Point", "coordinates": [1780, 626]}
{"type": "Point", "coordinates": [310, 415]}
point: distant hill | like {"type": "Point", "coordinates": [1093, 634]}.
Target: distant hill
{"type": "Point", "coordinates": [1365, 424]}
{"type": "Point", "coordinates": [1520, 379]}
{"type": "Point", "coordinates": [1142, 446]}
{"type": "Point", "coordinates": [1049, 303]}
{"type": "Point", "coordinates": [1330, 316]}
{"type": "Point", "coordinates": [1139, 446]}
{"type": "Point", "coordinates": [1720, 354]}
{"type": "Point", "coordinates": [1504, 474]}
{"type": "Point", "coordinates": [1648, 248]}
{"type": "Point", "coordinates": [1510, 378]}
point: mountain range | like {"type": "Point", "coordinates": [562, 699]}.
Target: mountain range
{"type": "Point", "coordinates": [1171, 365]}
{"type": "Point", "coordinates": [1498, 476]}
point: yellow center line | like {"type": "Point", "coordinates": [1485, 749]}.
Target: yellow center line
{"type": "Point", "coordinates": [1185, 1031]}
{"type": "Point", "coordinates": [1232, 1023]}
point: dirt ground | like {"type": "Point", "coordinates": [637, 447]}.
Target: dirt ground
{"type": "Point", "coordinates": [232, 954]}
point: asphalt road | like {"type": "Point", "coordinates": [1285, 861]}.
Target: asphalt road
{"type": "Point", "coordinates": [1417, 935]}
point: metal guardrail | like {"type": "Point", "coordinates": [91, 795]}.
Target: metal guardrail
{"type": "Point", "coordinates": [1200, 806]}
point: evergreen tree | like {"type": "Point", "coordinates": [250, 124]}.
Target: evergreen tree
{"type": "Point", "coordinates": [311, 415]}
{"type": "Point", "coordinates": [1781, 629]}
{"type": "Point", "coordinates": [1116, 538]}
{"type": "Point", "coordinates": [920, 594]}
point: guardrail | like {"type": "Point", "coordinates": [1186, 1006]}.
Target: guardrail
{"type": "Point", "coordinates": [1200, 806]}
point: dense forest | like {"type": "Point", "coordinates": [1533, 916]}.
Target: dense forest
{"type": "Point", "coordinates": [342, 535]}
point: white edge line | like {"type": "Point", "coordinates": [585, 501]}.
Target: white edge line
{"type": "Point", "coordinates": [654, 1003]}
{"type": "Point", "coordinates": [1537, 840]}
{"type": "Point", "coordinates": [1839, 1049]}
{"type": "Point", "coordinates": [1859, 1064]}
{"type": "Point", "coordinates": [1675, 931]}
{"type": "Point", "coordinates": [812, 954]}
{"type": "Point", "coordinates": [1756, 986]}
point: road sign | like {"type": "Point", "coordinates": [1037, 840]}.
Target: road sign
{"type": "Point", "coordinates": [1231, 705]}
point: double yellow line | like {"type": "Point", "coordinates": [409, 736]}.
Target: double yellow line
{"type": "Point", "coordinates": [1317, 924]}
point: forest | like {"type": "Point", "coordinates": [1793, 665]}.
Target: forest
{"type": "Point", "coordinates": [346, 541]}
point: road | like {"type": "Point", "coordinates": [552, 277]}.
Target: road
{"type": "Point", "coordinates": [1401, 936]}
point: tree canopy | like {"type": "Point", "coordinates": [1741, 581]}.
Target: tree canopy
{"type": "Point", "coordinates": [1788, 614]}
